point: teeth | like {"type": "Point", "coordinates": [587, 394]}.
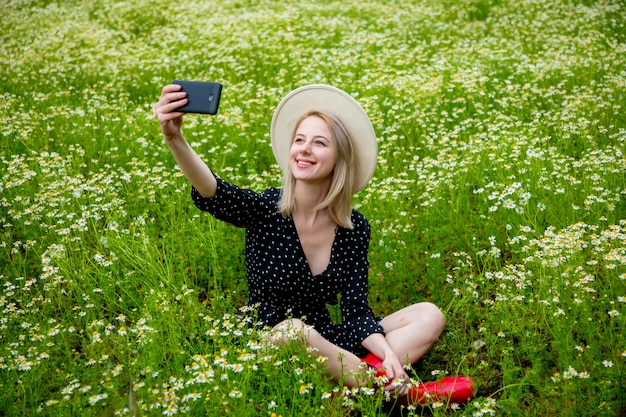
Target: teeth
{"type": "Point", "coordinates": [305, 163]}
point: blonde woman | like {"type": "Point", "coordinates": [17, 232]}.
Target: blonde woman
{"type": "Point", "coordinates": [305, 244]}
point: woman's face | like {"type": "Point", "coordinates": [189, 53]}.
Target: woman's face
{"type": "Point", "coordinates": [313, 153]}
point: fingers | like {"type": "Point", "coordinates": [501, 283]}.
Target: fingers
{"type": "Point", "coordinates": [394, 369]}
{"type": "Point", "coordinates": [171, 99]}
{"type": "Point", "coordinates": [170, 120]}
{"type": "Point", "coordinates": [399, 381]}
{"type": "Point", "coordinates": [170, 88]}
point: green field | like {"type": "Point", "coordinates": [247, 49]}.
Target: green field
{"type": "Point", "coordinates": [500, 195]}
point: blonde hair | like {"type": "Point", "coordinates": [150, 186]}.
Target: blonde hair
{"type": "Point", "coordinates": [339, 198]}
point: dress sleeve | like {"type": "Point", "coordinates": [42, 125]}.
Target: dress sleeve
{"type": "Point", "coordinates": [357, 315]}
{"type": "Point", "coordinates": [234, 205]}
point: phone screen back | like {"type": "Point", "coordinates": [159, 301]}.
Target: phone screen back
{"type": "Point", "coordinates": [203, 97]}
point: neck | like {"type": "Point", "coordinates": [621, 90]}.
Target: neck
{"type": "Point", "coordinates": [308, 196]}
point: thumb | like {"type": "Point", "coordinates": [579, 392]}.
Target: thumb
{"type": "Point", "coordinates": [390, 371]}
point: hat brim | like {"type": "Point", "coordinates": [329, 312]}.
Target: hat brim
{"type": "Point", "coordinates": [332, 100]}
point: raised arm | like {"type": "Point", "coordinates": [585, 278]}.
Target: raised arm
{"type": "Point", "coordinates": [171, 121]}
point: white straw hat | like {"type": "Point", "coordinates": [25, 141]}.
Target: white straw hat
{"type": "Point", "coordinates": [332, 100]}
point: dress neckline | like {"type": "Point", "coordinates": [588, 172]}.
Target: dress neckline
{"type": "Point", "coordinates": [332, 250]}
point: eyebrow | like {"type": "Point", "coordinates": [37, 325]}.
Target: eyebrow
{"type": "Point", "coordinates": [314, 137]}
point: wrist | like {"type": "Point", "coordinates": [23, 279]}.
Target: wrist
{"type": "Point", "coordinates": [174, 139]}
{"type": "Point", "coordinates": [387, 354]}
{"type": "Point", "coordinates": [378, 346]}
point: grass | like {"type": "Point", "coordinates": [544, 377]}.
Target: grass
{"type": "Point", "coordinates": [499, 195]}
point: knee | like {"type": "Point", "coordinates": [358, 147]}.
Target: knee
{"type": "Point", "coordinates": [432, 317]}
{"type": "Point", "coordinates": [294, 329]}
{"type": "Point", "coordinates": [437, 316]}
{"type": "Point", "coordinates": [286, 330]}
{"type": "Point", "coordinates": [290, 324]}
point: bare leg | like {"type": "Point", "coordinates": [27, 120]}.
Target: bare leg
{"type": "Point", "coordinates": [340, 362]}
{"type": "Point", "coordinates": [411, 331]}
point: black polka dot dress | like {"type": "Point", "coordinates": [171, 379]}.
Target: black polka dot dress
{"type": "Point", "coordinates": [279, 278]}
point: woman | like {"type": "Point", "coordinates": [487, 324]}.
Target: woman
{"type": "Point", "coordinates": [305, 244]}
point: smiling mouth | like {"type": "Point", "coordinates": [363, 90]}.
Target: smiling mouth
{"type": "Point", "coordinates": [304, 163]}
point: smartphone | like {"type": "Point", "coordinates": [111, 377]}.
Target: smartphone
{"type": "Point", "coordinates": [203, 97]}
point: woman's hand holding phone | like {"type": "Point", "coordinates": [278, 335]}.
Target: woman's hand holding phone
{"type": "Point", "coordinates": [182, 97]}
{"type": "Point", "coordinates": [167, 110]}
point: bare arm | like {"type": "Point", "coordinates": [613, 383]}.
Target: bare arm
{"type": "Point", "coordinates": [377, 344]}
{"type": "Point", "coordinates": [170, 121]}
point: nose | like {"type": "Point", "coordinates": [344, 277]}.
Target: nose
{"type": "Point", "coordinates": [306, 147]}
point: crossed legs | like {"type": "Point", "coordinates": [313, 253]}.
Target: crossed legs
{"type": "Point", "coordinates": [410, 332]}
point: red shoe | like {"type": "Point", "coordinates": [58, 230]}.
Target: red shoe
{"type": "Point", "coordinates": [373, 361]}
{"type": "Point", "coordinates": [451, 389]}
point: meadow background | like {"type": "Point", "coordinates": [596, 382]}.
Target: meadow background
{"type": "Point", "coordinates": [499, 195]}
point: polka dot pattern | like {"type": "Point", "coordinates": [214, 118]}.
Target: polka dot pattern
{"type": "Point", "coordinates": [279, 277]}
